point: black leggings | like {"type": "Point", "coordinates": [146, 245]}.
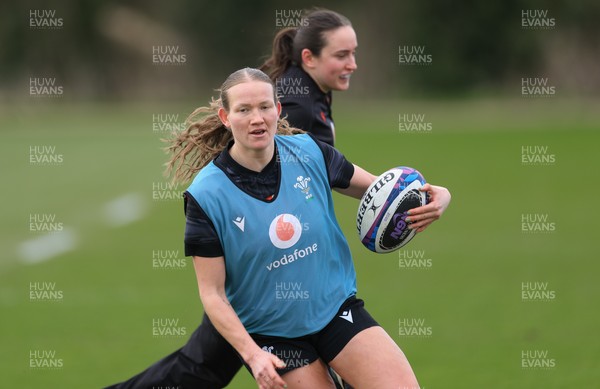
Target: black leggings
{"type": "Point", "coordinates": [206, 361]}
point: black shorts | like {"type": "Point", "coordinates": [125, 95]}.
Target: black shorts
{"type": "Point", "coordinates": [326, 344]}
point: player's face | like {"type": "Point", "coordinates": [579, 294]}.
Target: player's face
{"type": "Point", "coordinates": [332, 69]}
{"type": "Point", "coordinates": [252, 115]}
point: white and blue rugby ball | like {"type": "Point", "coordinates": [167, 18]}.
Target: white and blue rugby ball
{"type": "Point", "coordinates": [381, 217]}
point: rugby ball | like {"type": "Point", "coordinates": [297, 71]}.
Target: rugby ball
{"type": "Point", "coordinates": [381, 217]}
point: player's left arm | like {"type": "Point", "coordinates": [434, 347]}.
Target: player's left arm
{"type": "Point", "coordinates": [360, 181]}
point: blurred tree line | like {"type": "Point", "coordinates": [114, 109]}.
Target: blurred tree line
{"type": "Point", "coordinates": [105, 49]}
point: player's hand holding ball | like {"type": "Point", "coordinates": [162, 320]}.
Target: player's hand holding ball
{"type": "Point", "coordinates": [438, 200]}
{"type": "Point", "coordinates": [397, 205]}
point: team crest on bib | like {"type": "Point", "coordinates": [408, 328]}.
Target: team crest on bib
{"type": "Point", "coordinates": [302, 184]}
{"type": "Point", "coordinates": [285, 230]}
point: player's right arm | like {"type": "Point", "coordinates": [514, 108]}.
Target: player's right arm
{"type": "Point", "coordinates": [210, 273]}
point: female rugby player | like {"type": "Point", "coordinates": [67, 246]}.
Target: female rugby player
{"type": "Point", "coordinates": [250, 186]}
{"type": "Point", "coordinates": [307, 63]}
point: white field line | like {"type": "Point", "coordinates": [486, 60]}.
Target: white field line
{"type": "Point", "coordinates": [125, 209]}
{"type": "Point", "coordinates": [115, 213]}
{"type": "Point", "coordinates": [47, 246]}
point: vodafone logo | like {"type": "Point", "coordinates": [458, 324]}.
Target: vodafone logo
{"type": "Point", "coordinates": [285, 230]}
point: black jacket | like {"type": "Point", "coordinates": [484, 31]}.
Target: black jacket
{"type": "Point", "coordinates": [307, 107]}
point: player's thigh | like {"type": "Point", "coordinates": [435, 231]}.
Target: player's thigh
{"type": "Point", "coordinates": [313, 375]}
{"type": "Point", "coordinates": [373, 360]}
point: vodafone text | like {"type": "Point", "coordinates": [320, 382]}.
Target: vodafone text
{"type": "Point", "coordinates": [289, 258]}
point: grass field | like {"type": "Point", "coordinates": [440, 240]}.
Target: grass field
{"type": "Point", "coordinates": [79, 235]}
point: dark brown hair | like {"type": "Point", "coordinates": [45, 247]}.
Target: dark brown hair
{"type": "Point", "coordinates": [289, 42]}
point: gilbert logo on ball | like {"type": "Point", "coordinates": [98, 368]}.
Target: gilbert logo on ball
{"type": "Point", "coordinates": [381, 217]}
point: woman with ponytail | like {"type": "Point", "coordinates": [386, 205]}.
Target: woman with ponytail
{"type": "Point", "coordinates": [308, 63]}
{"type": "Point", "coordinates": [251, 184]}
